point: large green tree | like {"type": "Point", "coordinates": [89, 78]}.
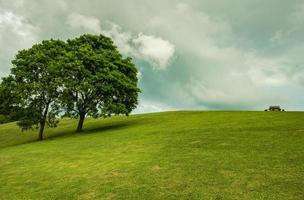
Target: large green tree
{"type": "Point", "coordinates": [35, 75]}
{"type": "Point", "coordinates": [98, 80]}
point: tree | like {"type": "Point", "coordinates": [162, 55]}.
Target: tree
{"type": "Point", "coordinates": [98, 81]}
{"type": "Point", "coordinates": [9, 101]}
{"type": "Point", "coordinates": [36, 79]}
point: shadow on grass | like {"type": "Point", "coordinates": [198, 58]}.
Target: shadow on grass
{"type": "Point", "coordinates": [95, 129]}
{"type": "Point", "coordinates": [109, 127]}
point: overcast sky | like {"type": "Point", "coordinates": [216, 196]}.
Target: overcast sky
{"type": "Point", "coordinates": [191, 54]}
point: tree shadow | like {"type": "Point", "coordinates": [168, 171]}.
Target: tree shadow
{"type": "Point", "coordinates": [104, 127]}
{"type": "Point", "coordinates": [109, 127]}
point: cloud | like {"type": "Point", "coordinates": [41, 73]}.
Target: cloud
{"type": "Point", "coordinates": [139, 75]}
{"type": "Point", "coordinates": [156, 51]}
{"type": "Point", "coordinates": [222, 72]}
{"type": "Point", "coordinates": [191, 55]}
{"type": "Point", "coordinates": [122, 39]}
{"type": "Point", "coordinates": [84, 23]}
{"type": "Point", "coordinates": [298, 14]}
{"type": "Point", "coordinates": [15, 33]}
{"type": "Point", "coordinates": [15, 24]}
{"type": "Point", "coordinates": [151, 106]}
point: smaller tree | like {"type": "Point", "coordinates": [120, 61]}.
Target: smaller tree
{"type": "Point", "coordinates": [9, 104]}
{"type": "Point", "coordinates": [98, 81]}
{"type": "Point", "coordinates": [35, 75]}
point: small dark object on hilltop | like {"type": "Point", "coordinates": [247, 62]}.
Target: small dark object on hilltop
{"type": "Point", "coordinates": [275, 108]}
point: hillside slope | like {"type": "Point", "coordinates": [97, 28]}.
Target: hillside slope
{"type": "Point", "coordinates": [171, 155]}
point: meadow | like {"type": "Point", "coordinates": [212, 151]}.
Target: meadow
{"type": "Point", "coordinates": [170, 155]}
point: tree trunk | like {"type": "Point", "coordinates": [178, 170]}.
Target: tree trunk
{"type": "Point", "coordinates": [42, 122]}
{"type": "Point", "coordinates": [41, 130]}
{"type": "Point", "coordinates": [80, 122]}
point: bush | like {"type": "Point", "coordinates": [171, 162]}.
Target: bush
{"type": "Point", "coordinates": [3, 119]}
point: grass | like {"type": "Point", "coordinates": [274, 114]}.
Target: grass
{"type": "Point", "coordinates": [172, 155]}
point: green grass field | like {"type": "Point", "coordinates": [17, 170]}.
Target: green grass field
{"type": "Point", "coordinates": [171, 155]}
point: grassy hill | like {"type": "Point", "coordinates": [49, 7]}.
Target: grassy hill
{"type": "Point", "coordinates": [172, 155]}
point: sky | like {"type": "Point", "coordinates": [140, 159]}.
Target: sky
{"type": "Point", "coordinates": [190, 54]}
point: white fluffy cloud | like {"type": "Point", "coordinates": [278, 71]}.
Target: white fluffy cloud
{"type": "Point", "coordinates": [156, 51]}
